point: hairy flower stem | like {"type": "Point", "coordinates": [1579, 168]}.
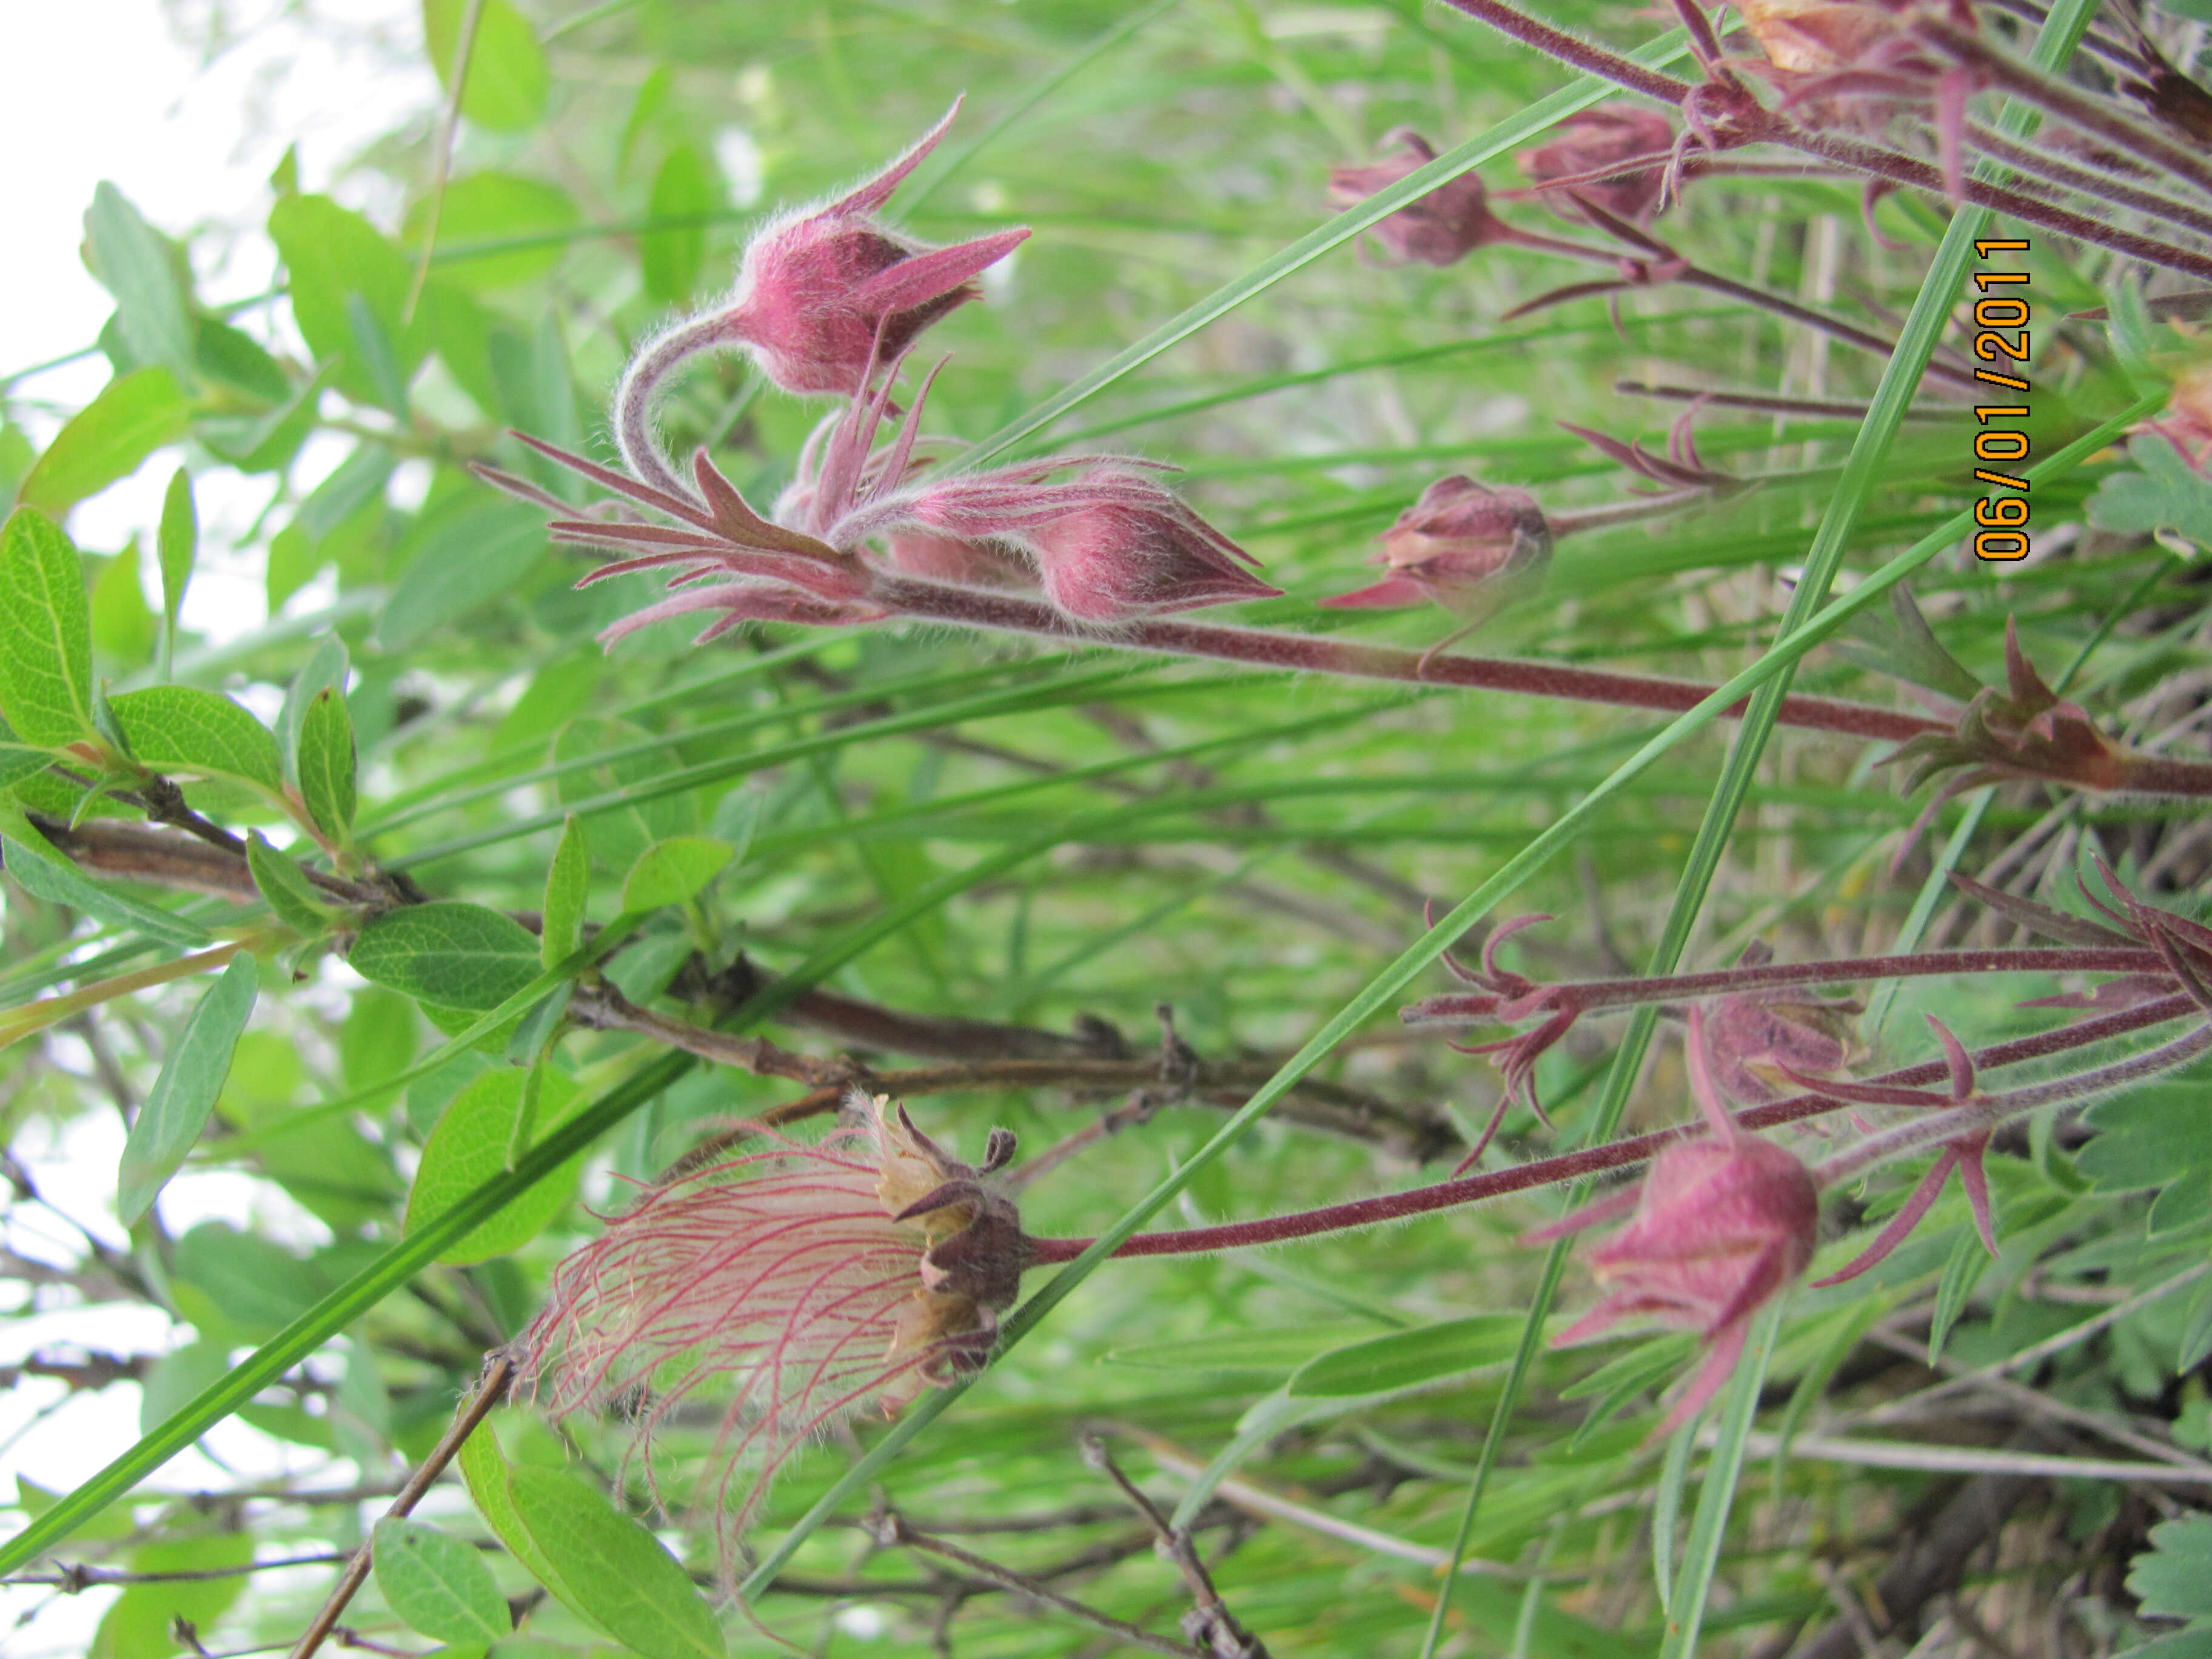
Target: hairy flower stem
{"type": "Point", "coordinates": [2025, 158]}
{"type": "Point", "coordinates": [2077, 109]}
{"type": "Point", "coordinates": [1313, 654]}
{"type": "Point", "coordinates": [1586, 995]}
{"type": "Point", "coordinates": [1638, 1149]}
{"type": "Point", "coordinates": [1572, 520]}
{"type": "Point", "coordinates": [639, 394]}
{"type": "Point", "coordinates": [1811, 408]}
{"type": "Point", "coordinates": [1979, 1116]}
{"type": "Point", "coordinates": [1748, 124]}
{"type": "Point", "coordinates": [1692, 276]}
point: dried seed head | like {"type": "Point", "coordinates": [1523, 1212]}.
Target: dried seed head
{"type": "Point", "coordinates": [1456, 541]}
{"type": "Point", "coordinates": [1442, 228]}
{"type": "Point", "coordinates": [1596, 139]}
{"type": "Point", "coordinates": [815, 1280]}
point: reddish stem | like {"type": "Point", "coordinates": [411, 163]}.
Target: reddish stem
{"type": "Point", "coordinates": [1750, 124]}
{"type": "Point", "coordinates": [1584, 995]}
{"type": "Point", "coordinates": [1314, 654]}
{"type": "Point", "coordinates": [1595, 1160]}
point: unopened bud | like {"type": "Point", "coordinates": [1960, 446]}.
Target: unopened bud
{"type": "Point", "coordinates": [1596, 139]}
{"type": "Point", "coordinates": [1442, 228]}
{"type": "Point", "coordinates": [1458, 539]}
{"type": "Point", "coordinates": [1142, 554]}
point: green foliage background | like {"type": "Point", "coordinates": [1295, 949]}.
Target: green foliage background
{"type": "Point", "coordinates": [954, 826]}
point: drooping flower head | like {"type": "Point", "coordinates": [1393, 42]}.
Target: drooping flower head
{"type": "Point", "coordinates": [1460, 539]}
{"type": "Point", "coordinates": [1142, 553]}
{"type": "Point", "coordinates": [1754, 1038]}
{"type": "Point", "coordinates": [822, 290]}
{"type": "Point", "coordinates": [1594, 141]}
{"type": "Point", "coordinates": [811, 1280]}
{"type": "Point", "coordinates": [1442, 228]}
{"type": "Point", "coordinates": [1721, 1226]}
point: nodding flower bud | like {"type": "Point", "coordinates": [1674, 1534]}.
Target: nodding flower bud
{"type": "Point", "coordinates": [1593, 141]}
{"type": "Point", "coordinates": [1457, 540]}
{"type": "Point", "coordinates": [1755, 1041]}
{"type": "Point", "coordinates": [939, 558]}
{"type": "Point", "coordinates": [813, 1279]}
{"type": "Point", "coordinates": [1442, 228]}
{"type": "Point", "coordinates": [1142, 553]}
{"type": "Point", "coordinates": [823, 294]}
{"type": "Point", "coordinates": [1721, 1226]}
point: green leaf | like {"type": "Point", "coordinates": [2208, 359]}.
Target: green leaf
{"type": "Point", "coordinates": [182, 728]}
{"type": "Point", "coordinates": [177, 1376]}
{"type": "Point", "coordinates": [2162, 495]}
{"type": "Point", "coordinates": [45, 672]}
{"type": "Point", "coordinates": [491, 208]}
{"type": "Point", "coordinates": [122, 627]}
{"type": "Point", "coordinates": [507, 80]}
{"type": "Point", "coordinates": [471, 1145]}
{"type": "Point", "coordinates": [567, 890]}
{"type": "Point", "coordinates": [378, 357]}
{"type": "Point", "coordinates": [670, 871]}
{"type": "Point", "coordinates": [483, 1470]}
{"type": "Point", "coordinates": [142, 1622]}
{"type": "Point", "coordinates": [1406, 1359]}
{"type": "Point", "coordinates": [326, 763]}
{"type": "Point", "coordinates": [672, 254]}
{"type": "Point", "coordinates": [139, 266]}
{"type": "Point", "coordinates": [228, 1281]}
{"type": "Point", "coordinates": [331, 254]}
{"type": "Point", "coordinates": [107, 439]}
{"type": "Point", "coordinates": [45, 872]}
{"type": "Point", "coordinates": [609, 1569]}
{"type": "Point", "coordinates": [472, 559]}
{"type": "Point", "coordinates": [457, 956]}
{"type": "Point", "coordinates": [176, 1108]}
{"type": "Point", "coordinates": [2174, 1578]}
{"type": "Point", "coordinates": [437, 1583]}
{"type": "Point", "coordinates": [328, 667]}
{"type": "Point", "coordinates": [296, 900]}
{"type": "Point", "coordinates": [177, 545]}
{"type": "Point", "coordinates": [19, 760]}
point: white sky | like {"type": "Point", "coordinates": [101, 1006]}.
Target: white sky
{"type": "Point", "coordinates": [93, 89]}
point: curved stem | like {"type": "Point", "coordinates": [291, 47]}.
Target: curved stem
{"type": "Point", "coordinates": [1291, 652]}
{"type": "Point", "coordinates": [1637, 1148]}
{"type": "Point", "coordinates": [1571, 520]}
{"type": "Point", "coordinates": [638, 393]}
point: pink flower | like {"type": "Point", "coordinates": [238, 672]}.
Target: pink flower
{"type": "Point", "coordinates": [819, 291]}
{"type": "Point", "coordinates": [1753, 1037]}
{"type": "Point", "coordinates": [1721, 1226]}
{"type": "Point", "coordinates": [1140, 553]}
{"type": "Point", "coordinates": [1458, 540]}
{"type": "Point", "coordinates": [941, 558]}
{"type": "Point", "coordinates": [1442, 228]}
{"type": "Point", "coordinates": [1597, 139]}
{"type": "Point", "coordinates": [814, 1280]}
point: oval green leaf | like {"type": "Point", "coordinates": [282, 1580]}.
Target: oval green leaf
{"type": "Point", "coordinates": [182, 728]}
{"type": "Point", "coordinates": [610, 1570]}
{"type": "Point", "coordinates": [325, 763]}
{"type": "Point", "coordinates": [464, 563]}
{"type": "Point", "coordinates": [107, 439]}
{"type": "Point", "coordinates": [457, 956]}
{"type": "Point", "coordinates": [507, 80]}
{"type": "Point", "coordinates": [176, 1108]}
{"type": "Point", "coordinates": [45, 672]}
{"type": "Point", "coordinates": [567, 888]}
{"type": "Point", "coordinates": [672, 871]}
{"type": "Point", "coordinates": [437, 1583]}
{"type": "Point", "coordinates": [473, 1142]}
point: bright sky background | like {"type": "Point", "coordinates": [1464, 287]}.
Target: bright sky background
{"type": "Point", "coordinates": [99, 89]}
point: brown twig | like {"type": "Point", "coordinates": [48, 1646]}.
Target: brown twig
{"type": "Point", "coordinates": [891, 1532]}
{"type": "Point", "coordinates": [490, 1389]}
{"type": "Point", "coordinates": [1209, 1624]}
